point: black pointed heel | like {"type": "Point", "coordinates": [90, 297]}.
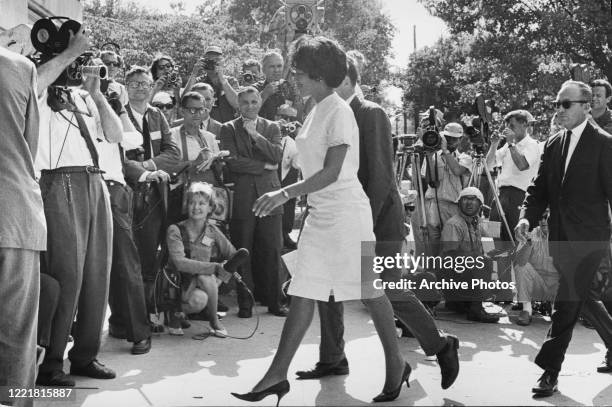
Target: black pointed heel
{"type": "Point", "coordinates": [279, 389]}
{"type": "Point", "coordinates": [392, 395]}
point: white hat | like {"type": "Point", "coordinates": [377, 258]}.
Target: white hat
{"type": "Point", "coordinates": [453, 130]}
{"type": "Point", "coordinates": [471, 191]}
{"type": "Point", "coordinates": [162, 97]}
{"type": "Point", "coordinates": [213, 49]}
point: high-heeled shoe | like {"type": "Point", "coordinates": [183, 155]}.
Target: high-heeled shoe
{"type": "Point", "coordinates": [393, 394]}
{"type": "Point", "coordinates": [279, 389]}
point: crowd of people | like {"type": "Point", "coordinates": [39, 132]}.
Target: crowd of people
{"type": "Point", "coordinates": [139, 174]}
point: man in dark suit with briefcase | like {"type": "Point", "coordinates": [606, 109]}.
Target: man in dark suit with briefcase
{"type": "Point", "coordinates": [575, 180]}
{"type": "Point", "coordinates": [255, 150]}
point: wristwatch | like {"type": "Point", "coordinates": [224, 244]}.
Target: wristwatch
{"type": "Point", "coordinates": [285, 193]}
{"type": "Point", "coordinates": [511, 145]}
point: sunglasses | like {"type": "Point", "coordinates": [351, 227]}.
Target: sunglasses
{"type": "Point", "coordinates": [566, 104]}
{"type": "Point", "coordinates": [194, 110]}
{"type": "Point", "coordinates": [166, 106]}
{"type": "Point", "coordinates": [115, 64]}
{"type": "Point", "coordinates": [142, 85]}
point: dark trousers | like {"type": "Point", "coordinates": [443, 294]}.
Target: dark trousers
{"type": "Point", "coordinates": [149, 214]}
{"type": "Point", "coordinates": [49, 298]}
{"type": "Point", "coordinates": [262, 238]}
{"type": "Point", "coordinates": [574, 296]}
{"type": "Point", "coordinates": [389, 231]}
{"type": "Point", "coordinates": [19, 286]}
{"type": "Point", "coordinates": [79, 257]}
{"type": "Point", "coordinates": [126, 296]}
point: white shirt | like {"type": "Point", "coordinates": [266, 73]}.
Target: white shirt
{"type": "Point", "coordinates": [193, 146]}
{"type": "Point", "coordinates": [290, 155]}
{"type": "Point", "coordinates": [60, 143]}
{"type": "Point", "coordinates": [510, 175]}
{"type": "Point", "coordinates": [110, 160]}
{"type": "Point", "coordinates": [353, 96]}
{"type": "Point", "coordinates": [576, 134]}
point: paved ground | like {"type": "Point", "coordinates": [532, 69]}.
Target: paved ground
{"type": "Point", "coordinates": [496, 367]}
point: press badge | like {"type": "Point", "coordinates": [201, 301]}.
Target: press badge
{"type": "Point", "coordinates": [207, 241]}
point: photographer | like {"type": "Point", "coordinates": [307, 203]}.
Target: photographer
{"type": "Point", "coordinates": [446, 171]}
{"type": "Point", "coordinates": [110, 87]}
{"type": "Point", "coordinates": [147, 170]}
{"type": "Point", "coordinates": [274, 90]}
{"type": "Point", "coordinates": [519, 159]}
{"type": "Point", "coordinates": [226, 104]}
{"type": "Point", "coordinates": [166, 77]}
{"type": "Point", "coordinates": [79, 233]}
{"type": "Point", "coordinates": [251, 72]}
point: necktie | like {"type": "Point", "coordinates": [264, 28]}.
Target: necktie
{"type": "Point", "coordinates": [146, 137]}
{"type": "Point", "coordinates": [566, 142]}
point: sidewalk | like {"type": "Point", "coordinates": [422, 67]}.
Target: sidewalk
{"type": "Point", "coordinates": [496, 367]}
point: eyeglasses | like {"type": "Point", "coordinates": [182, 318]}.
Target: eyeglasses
{"type": "Point", "coordinates": [195, 110]}
{"type": "Point", "coordinates": [113, 63]}
{"type": "Point", "coordinates": [141, 85]}
{"type": "Point", "coordinates": [566, 104]}
{"type": "Point", "coordinates": [166, 106]}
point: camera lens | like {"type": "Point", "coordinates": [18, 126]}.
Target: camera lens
{"type": "Point", "coordinates": [431, 139]}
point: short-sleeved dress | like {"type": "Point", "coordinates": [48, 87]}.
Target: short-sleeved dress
{"type": "Point", "coordinates": [340, 217]}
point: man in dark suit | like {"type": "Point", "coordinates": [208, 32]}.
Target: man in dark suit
{"type": "Point", "coordinates": [208, 93]}
{"type": "Point", "coordinates": [255, 150]}
{"type": "Point", "coordinates": [146, 171]}
{"type": "Point", "coordinates": [377, 177]}
{"type": "Point", "coordinates": [575, 180]}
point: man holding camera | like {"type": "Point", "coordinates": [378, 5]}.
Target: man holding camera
{"type": "Point", "coordinates": [446, 172]}
{"type": "Point", "coordinates": [274, 90]}
{"type": "Point", "coordinates": [519, 159]}
{"type": "Point", "coordinates": [226, 104]}
{"type": "Point", "coordinates": [147, 171]}
{"type": "Point", "coordinates": [78, 213]}
{"type": "Point", "coordinates": [22, 230]}
{"type": "Point", "coordinates": [251, 71]}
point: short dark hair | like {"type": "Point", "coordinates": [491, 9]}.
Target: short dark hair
{"type": "Point", "coordinates": [156, 61]}
{"type": "Point", "coordinates": [322, 59]}
{"type": "Point", "coordinates": [603, 83]}
{"type": "Point", "coordinates": [251, 62]}
{"type": "Point", "coordinates": [191, 95]}
{"type": "Point", "coordinates": [352, 71]}
{"type": "Point", "coordinates": [247, 89]}
{"type": "Point", "coordinates": [135, 70]}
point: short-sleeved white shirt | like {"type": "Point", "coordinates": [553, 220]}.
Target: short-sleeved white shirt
{"type": "Point", "coordinates": [510, 175]}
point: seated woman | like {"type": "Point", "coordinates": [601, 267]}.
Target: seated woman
{"type": "Point", "coordinates": [194, 247]}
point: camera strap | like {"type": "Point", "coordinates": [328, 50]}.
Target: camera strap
{"type": "Point", "coordinates": [87, 137]}
{"type": "Point", "coordinates": [146, 135]}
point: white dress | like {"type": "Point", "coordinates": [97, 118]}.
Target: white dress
{"type": "Point", "coordinates": [329, 256]}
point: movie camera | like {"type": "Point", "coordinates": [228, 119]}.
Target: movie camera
{"type": "Point", "coordinates": [290, 129]}
{"type": "Point", "coordinates": [431, 138]}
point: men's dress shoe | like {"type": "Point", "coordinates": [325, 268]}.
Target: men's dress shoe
{"type": "Point", "coordinates": [280, 312]}
{"type": "Point", "coordinates": [393, 394]}
{"type": "Point", "coordinates": [117, 332]}
{"type": "Point", "coordinates": [448, 359]}
{"type": "Point", "coordinates": [95, 370]}
{"type": "Point", "coordinates": [547, 384]}
{"type": "Point", "coordinates": [606, 365]}
{"type": "Point", "coordinates": [55, 378]}
{"type": "Point", "coordinates": [141, 347]}
{"type": "Point", "coordinates": [480, 315]}
{"type": "Point", "coordinates": [324, 369]}
{"type": "Point", "coordinates": [222, 307]}
{"type": "Point", "coordinates": [245, 313]}
{"type": "Point", "coordinates": [524, 318]}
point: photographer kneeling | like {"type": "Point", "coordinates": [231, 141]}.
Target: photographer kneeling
{"type": "Point", "coordinates": [446, 172]}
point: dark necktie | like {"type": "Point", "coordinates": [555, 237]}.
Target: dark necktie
{"type": "Point", "coordinates": [566, 142]}
{"type": "Point", "coordinates": [146, 137]}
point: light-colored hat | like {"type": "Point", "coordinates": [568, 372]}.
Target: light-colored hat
{"type": "Point", "coordinates": [453, 130]}
{"type": "Point", "coordinates": [213, 49]}
{"type": "Point", "coordinates": [471, 191]}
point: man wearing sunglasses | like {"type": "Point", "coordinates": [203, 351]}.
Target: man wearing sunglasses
{"type": "Point", "coordinates": [165, 103]}
{"type": "Point", "coordinates": [575, 181]}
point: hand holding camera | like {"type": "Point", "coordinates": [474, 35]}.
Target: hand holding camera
{"type": "Point", "coordinates": [158, 176]}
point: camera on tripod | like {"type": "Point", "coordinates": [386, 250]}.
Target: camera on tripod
{"type": "Point", "coordinates": [432, 140]}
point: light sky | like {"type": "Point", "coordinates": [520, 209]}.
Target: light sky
{"type": "Point", "coordinates": [404, 14]}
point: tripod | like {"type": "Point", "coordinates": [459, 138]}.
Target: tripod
{"type": "Point", "coordinates": [480, 165]}
{"type": "Point", "coordinates": [403, 156]}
